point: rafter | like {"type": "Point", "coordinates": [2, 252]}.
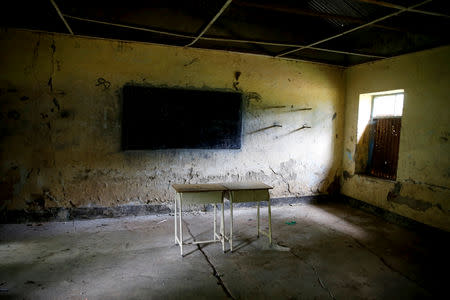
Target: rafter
{"type": "Point", "coordinates": [206, 38]}
{"type": "Point", "coordinates": [210, 23]}
{"type": "Point", "coordinates": [61, 16]}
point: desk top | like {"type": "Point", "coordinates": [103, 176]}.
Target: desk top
{"type": "Point", "coordinates": [214, 187]}
{"type": "Point", "coordinates": [193, 188]}
{"type": "Point", "coordinates": [246, 186]}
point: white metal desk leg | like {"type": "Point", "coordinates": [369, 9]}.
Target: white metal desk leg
{"type": "Point", "coordinates": [215, 212]}
{"type": "Point", "coordinates": [222, 227]}
{"type": "Point", "coordinates": [270, 223]}
{"type": "Point", "coordinates": [181, 226]}
{"type": "Point", "coordinates": [231, 222]}
{"type": "Point", "coordinates": [176, 196]}
{"type": "Point", "coordinates": [258, 218]}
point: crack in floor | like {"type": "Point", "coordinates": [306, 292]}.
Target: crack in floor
{"type": "Point", "coordinates": [215, 273]}
{"type": "Point", "coordinates": [317, 274]}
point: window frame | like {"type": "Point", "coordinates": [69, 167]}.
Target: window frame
{"type": "Point", "coordinates": [372, 104]}
{"type": "Point", "coordinates": [371, 145]}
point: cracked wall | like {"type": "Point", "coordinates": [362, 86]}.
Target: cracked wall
{"type": "Point", "coordinates": [61, 122]}
{"type": "Point", "coordinates": [422, 188]}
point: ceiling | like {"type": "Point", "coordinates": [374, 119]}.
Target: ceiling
{"type": "Point", "coordinates": [338, 32]}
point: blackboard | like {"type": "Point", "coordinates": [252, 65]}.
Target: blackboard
{"type": "Point", "coordinates": [170, 118]}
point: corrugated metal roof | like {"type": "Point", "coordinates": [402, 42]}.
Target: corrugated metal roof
{"type": "Point", "coordinates": [346, 8]}
{"type": "Point", "coordinates": [267, 27]}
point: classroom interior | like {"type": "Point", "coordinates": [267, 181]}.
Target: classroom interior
{"type": "Point", "coordinates": [341, 107]}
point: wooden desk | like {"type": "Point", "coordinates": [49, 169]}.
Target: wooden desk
{"type": "Point", "coordinates": [249, 192]}
{"type": "Point", "coordinates": [199, 194]}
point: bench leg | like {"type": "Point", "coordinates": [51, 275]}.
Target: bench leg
{"type": "Point", "coordinates": [270, 222]}
{"type": "Point", "coordinates": [231, 223]}
{"type": "Point", "coordinates": [222, 227]}
{"type": "Point", "coordinates": [215, 213]}
{"type": "Point", "coordinates": [175, 214]}
{"type": "Point", "coordinates": [258, 219]}
{"type": "Point", "coordinates": [181, 229]}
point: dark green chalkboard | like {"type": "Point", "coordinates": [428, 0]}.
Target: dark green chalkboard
{"type": "Point", "coordinates": [171, 118]}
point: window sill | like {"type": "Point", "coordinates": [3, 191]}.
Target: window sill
{"type": "Point", "coordinates": [368, 176]}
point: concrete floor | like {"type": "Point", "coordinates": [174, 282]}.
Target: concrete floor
{"type": "Point", "coordinates": [332, 251]}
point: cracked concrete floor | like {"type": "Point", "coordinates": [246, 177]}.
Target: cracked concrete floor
{"type": "Point", "coordinates": [331, 252]}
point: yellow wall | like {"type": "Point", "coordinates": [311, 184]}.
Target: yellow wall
{"type": "Point", "coordinates": [422, 189]}
{"type": "Point", "coordinates": [61, 131]}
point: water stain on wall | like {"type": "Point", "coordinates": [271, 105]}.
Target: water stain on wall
{"type": "Point", "coordinates": [75, 142]}
{"type": "Point", "coordinates": [416, 204]}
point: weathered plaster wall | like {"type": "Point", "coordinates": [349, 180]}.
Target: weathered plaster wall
{"type": "Point", "coordinates": [422, 189]}
{"type": "Point", "coordinates": [61, 110]}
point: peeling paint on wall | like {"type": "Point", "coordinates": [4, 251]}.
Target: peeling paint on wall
{"type": "Point", "coordinates": [349, 154]}
{"type": "Point", "coordinates": [68, 130]}
{"type": "Point", "coordinates": [422, 189]}
{"type": "Point", "coordinates": [394, 196]}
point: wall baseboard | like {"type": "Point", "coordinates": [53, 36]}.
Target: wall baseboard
{"type": "Point", "coordinates": [62, 214]}
{"type": "Point", "coordinates": [391, 217]}
{"type": "Point", "coordinates": [81, 213]}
